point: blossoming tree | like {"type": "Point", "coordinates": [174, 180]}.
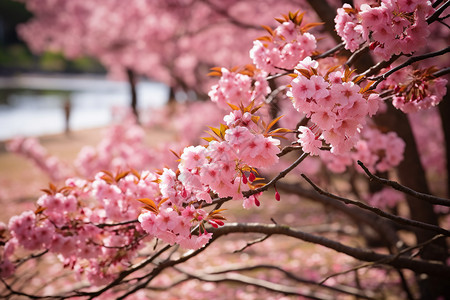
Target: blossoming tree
{"type": "Point", "coordinates": [123, 229]}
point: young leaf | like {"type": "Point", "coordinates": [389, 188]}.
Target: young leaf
{"type": "Point", "coordinates": [121, 175]}
{"type": "Point", "coordinates": [233, 107]}
{"type": "Point", "coordinates": [209, 138]}
{"type": "Point", "coordinates": [272, 123]}
{"type": "Point", "coordinates": [305, 73]}
{"type": "Point", "coordinates": [309, 26]}
{"type": "Point", "coordinates": [267, 28]}
{"type": "Point", "coordinates": [176, 154]}
{"type": "Point", "coordinates": [39, 210]}
{"type": "Point", "coordinates": [216, 131]}
{"type": "Point", "coordinates": [149, 205]}
{"type": "Point", "coordinates": [366, 88]}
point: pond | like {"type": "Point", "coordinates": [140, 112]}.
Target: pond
{"type": "Point", "coordinates": [32, 105]}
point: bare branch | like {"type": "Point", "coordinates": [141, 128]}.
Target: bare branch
{"type": "Point", "coordinates": [327, 53]}
{"type": "Point", "coordinates": [421, 196]}
{"type": "Point", "coordinates": [381, 65]}
{"type": "Point", "coordinates": [338, 288]}
{"type": "Point", "coordinates": [275, 93]}
{"type": "Point", "coordinates": [356, 55]}
{"type": "Point", "coordinates": [18, 293]}
{"type": "Point", "coordinates": [441, 72]}
{"type": "Point", "coordinates": [276, 178]}
{"type": "Point", "coordinates": [383, 227]}
{"type": "Point", "coordinates": [379, 211]}
{"type": "Point", "coordinates": [249, 244]}
{"type": "Point", "coordinates": [438, 12]}
{"type": "Point", "coordinates": [409, 62]}
{"type": "Point", "coordinates": [288, 149]}
{"type": "Point", "coordinates": [416, 265]}
{"type": "Point", "coordinates": [268, 285]}
{"type": "Point", "coordinates": [162, 266]}
{"type": "Point", "coordinates": [386, 260]}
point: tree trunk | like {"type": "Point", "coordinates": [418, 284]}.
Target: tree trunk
{"type": "Point", "coordinates": [411, 174]}
{"type": "Point", "coordinates": [444, 110]}
{"type": "Point", "coordinates": [133, 104]}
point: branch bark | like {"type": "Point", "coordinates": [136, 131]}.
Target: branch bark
{"type": "Point", "coordinates": [418, 266]}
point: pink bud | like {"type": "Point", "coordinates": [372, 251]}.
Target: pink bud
{"type": "Point", "coordinates": [277, 196]}
{"type": "Point", "coordinates": [244, 179]}
{"type": "Point", "coordinates": [257, 203]}
{"type": "Point", "coordinates": [251, 177]}
{"type": "Point", "coordinates": [373, 45]}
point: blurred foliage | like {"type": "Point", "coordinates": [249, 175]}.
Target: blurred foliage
{"type": "Point", "coordinates": [15, 57]}
{"type": "Point", "coordinates": [11, 14]}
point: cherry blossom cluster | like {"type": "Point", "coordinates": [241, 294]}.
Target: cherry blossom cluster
{"type": "Point", "coordinates": [98, 226]}
{"type": "Point", "coordinates": [419, 92]}
{"type": "Point", "coordinates": [390, 26]}
{"type": "Point", "coordinates": [76, 222]}
{"type": "Point", "coordinates": [336, 105]}
{"type": "Point", "coordinates": [161, 40]}
{"type": "Point", "coordinates": [92, 224]}
{"type": "Point", "coordinates": [225, 167]}
{"type": "Point", "coordinates": [414, 89]}
{"type": "Point", "coordinates": [377, 150]}
{"type": "Point", "coordinates": [239, 87]}
{"type": "Point", "coordinates": [288, 44]}
{"type": "Point", "coordinates": [33, 150]}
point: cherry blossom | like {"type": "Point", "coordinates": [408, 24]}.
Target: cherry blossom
{"type": "Point", "coordinates": [391, 27]}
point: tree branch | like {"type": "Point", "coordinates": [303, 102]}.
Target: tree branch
{"type": "Point", "coordinates": [426, 197]}
{"type": "Point", "coordinates": [438, 12]}
{"type": "Point", "coordinates": [381, 226]}
{"type": "Point", "coordinates": [386, 260]}
{"type": "Point", "coordinates": [276, 178]}
{"type": "Point", "coordinates": [418, 266]}
{"type": "Point", "coordinates": [338, 288]}
{"type": "Point", "coordinates": [380, 212]}
{"type": "Point", "coordinates": [268, 285]}
{"type": "Point", "coordinates": [410, 61]}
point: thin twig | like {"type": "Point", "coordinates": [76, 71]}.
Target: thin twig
{"type": "Point", "coordinates": [410, 61]}
{"type": "Point", "coordinates": [103, 225]}
{"type": "Point", "coordinates": [381, 65]}
{"type": "Point", "coordinates": [384, 260]}
{"type": "Point", "coordinates": [276, 178]}
{"type": "Point", "coordinates": [339, 288]}
{"type": "Point", "coordinates": [441, 72]}
{"type": "Point", "coordinates": [249, 244]}
{"type": "Point", "coordinates": [288, 149]}
{"type": "Point", "coordinates": [418, 266]}
{"type": "Point", "coordinates": [268, 285]}
{"type": "Point", "coordinates": [275, 93]}
{"type": "Point", "coordinates": [421, 196]}
{"type": "Point", "coordinates": [438, 12]}
{"type": "Point", "coordinates": [327, 53]}
{"type": "Point", "coordinates": [356, 55]}
{"type": "Point", "coordinates": [18, 293]}
{"type": "Point", "coordinates": [123, 274]}
{"type": "Point", "coordinates": [380, 212]}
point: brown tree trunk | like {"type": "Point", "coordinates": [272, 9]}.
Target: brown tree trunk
{"type": "Point", "coordinates": [411, 174]}
{"type": "Point", "coordinates": [444, 110]}
{"type": "Point", "coordinates": [133, 104]}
